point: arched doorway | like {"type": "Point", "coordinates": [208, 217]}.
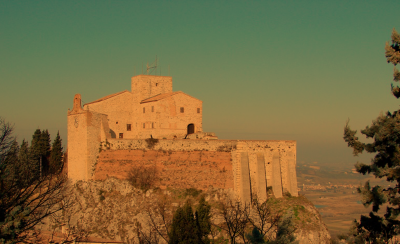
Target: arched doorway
{"type": "Point", "coordinates": [190, 129]}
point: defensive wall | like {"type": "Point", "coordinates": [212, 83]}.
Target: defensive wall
{"type": "Point", "coordinates": [106, 138]}
{"type": "Point", "coordinates": [245, 167]}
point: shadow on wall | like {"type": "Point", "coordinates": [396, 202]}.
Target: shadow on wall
{"type": "Point", "coordinates": [113, 135]}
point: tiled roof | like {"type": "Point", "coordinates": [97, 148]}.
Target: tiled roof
{"type": "Point", "coordinates": [107, 97]}
{"type": "Point", "coordinates": [164, 95]}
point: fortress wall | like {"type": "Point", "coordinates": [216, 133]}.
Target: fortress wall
{"type": "Point", "coordinates": [176, 169]}
{"type": "Point", "coordinates": [253, 165]}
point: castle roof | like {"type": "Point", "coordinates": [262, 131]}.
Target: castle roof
{"type": "Point", "coordinates": [107, 97]}
{"type": "Point", "coordinates": [163, 96]}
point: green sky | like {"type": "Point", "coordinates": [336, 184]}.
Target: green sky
{"type": "Point", "coordinates": [267, 70]}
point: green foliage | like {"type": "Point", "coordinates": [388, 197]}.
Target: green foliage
{"type": "Point", "coordinates": [56, 155]}
{"type": "Point", "coordinates": [24, 200]}
{"type": "Point", "coordinates": [385, 132]}
{"type": "Point", "coordinates": [255, 237]}
{"type": "Point", "coordinates": [285, 230]}
{"type": "Point", "coordinates": [192, 192]}
{"type": "Point", "coordinates": [191, 227]}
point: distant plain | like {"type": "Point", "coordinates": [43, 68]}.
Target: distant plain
{"type": "Point", "coordinates": [333, 190]}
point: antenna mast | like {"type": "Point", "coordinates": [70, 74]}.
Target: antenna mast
{"type": "Point", "coordinates": [152, 67]}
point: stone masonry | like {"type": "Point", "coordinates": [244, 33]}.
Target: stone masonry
{"type": "Point", "coordinates": [107, 137]}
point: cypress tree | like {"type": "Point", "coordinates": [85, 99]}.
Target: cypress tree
{"type": "Point", "coordinates": [56, 155]}
{"type": "Point", "coordinates": [35, 154]}
{"type": "Point", "coordinates": [25, 163]}
{"type": "Point", "coordinates": [44, 147]}
{"type": "Point", "coordinates": [203, 220]}
{"type": "Point", "coordinates": [385, 132]}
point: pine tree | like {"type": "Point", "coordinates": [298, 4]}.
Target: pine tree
{"type": "Point", "coordinates": [56, 155]}
{"type": "Point", "coordinates": [385, 132]}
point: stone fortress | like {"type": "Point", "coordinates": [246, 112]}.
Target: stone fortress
{"type": "Point", "coordinates": [153, 126]}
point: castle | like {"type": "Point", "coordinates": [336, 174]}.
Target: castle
{"type": "Point", "coordinates": [109, 136]}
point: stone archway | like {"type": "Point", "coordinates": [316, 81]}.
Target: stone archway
{"type": "Point", "coordinates": [190, 129]}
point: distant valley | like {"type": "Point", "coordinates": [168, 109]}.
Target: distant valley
{"type": "Point", "coordinates": [333, 190]}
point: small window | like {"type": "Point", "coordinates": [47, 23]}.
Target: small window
{"type": "Point", "coordinates": [116, 122]}
{"type": "Point", "coordinates": [144, 110]}
{"type": "Point", "coordinates": [121, 135]}
{"type": "Point", "coordinates": [198, 110]}
{"type": "Point", "coordinates": [144, 125]}
{"type": "Point", "coordinates": [152, 108]}
{"type": "Point", "coordinates": [156, 84]}
{"type": "Point", "coordinates": [182, 109]}
{"type": "Point", "coordinates": [152, 125]}
{"type": "Point", "coordinates": [128, 127]}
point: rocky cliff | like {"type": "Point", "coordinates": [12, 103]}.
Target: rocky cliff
{"type": "Point", "coordinates": [115, 210]}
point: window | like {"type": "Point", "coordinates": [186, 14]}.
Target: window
{"type": "Point", "coordinates": [121, 135]}
{"type": "Point", "coordinates": [144, 110]}
{"type": "Point", "coordinates": [144, 125]}
{"type": "Point", "coordinates": [182, 109]}
{"type": "Point", "coordinates": [128, 127]}
{"type": "Point", "coordinates": [116, 122]}
{"type": "Point", "coordinates": [152, 108]}
{"type": "Point", "coordinates": [156, 84]}
{"type": "Point", "coordinates": [152, 125]}
{"type": "Point", "coordinates": [198, 110]}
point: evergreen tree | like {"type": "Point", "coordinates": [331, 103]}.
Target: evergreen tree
{"type": "Point", "coordinates": [25, 164]}
{"type": "Point", "coordinates": [24, 204]}
{"type": "Point", "coordinates": [35, 154]}
{"type": "Point", "coordinates": [56, 155]}
{"type": "Point", "coordinates": [203, 220]}
{"type": "Point", "coordinates": [255, 237]}
{"type": "Point", "coordinates": [385, 132]}
{"type": "Point", "coordinates": [44, 148]}
{"type": "Point", "coordinates": [186, 229]}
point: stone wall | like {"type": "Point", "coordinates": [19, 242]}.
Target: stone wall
{"type": "Point", "coordinates": [252, 168]}
{"type": "Point", "coordinates": [175, 169]}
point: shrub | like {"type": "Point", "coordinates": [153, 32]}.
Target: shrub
{"type": "Point", "coordinates": [192, 192]}
{"type": "Point", "coordinates": [151, 142]}
{"type": "Point", "coordinates": [142, 177]}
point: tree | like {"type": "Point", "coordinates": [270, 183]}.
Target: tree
{"type": "Point", "coordinates": [385, 132]}
{"type": "Point", "coordinates": [191, 228]}
{"type": "Point", "coordinates": [56, 155]}
{"type": "Point", "coordinates": [24, 200]}
{"type": "Point", "coordinates": [257, 223]}
{"type": "Point", "coordinates": [35, 153]}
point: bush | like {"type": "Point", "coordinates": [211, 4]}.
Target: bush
{"type": "Point", "coordinates": [192, 192]}
{"type": "Point", "coordinates": [142, 177]}
{"type": "Point", "coordinates": [151, 142]}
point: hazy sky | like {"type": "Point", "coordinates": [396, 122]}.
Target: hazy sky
{"type": "Point", "coordinates": [267, 70]}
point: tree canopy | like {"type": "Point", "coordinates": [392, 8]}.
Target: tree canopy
{"type": "Point", "coordinates": [385, 132]}
{"type": "Point", "coordinates": [25, 200]}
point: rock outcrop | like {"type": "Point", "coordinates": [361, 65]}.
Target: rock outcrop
{"type": "Point", "coordinates": [113, 209]}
